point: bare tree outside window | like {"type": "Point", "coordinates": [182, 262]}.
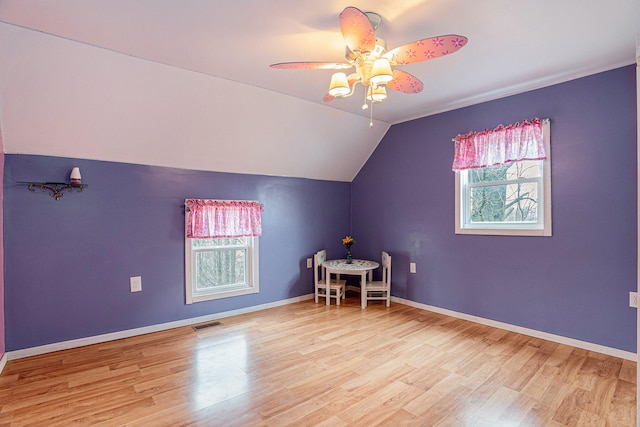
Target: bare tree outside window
{"type": "Point", "coordinates": [506, 193]}
{"type": "Point", "coordinates": [221, 267]}
{"type": "Point", "coordinates": [220, 262]}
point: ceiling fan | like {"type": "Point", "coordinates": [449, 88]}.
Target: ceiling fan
{"type": "Point", "coordinates": [372, 62]}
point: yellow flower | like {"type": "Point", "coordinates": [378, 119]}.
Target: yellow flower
{"type": "Point", "coordinates": [347, 241]}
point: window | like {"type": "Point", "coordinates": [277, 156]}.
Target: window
{"type": "Point", "coordinates": [513, 198]}
{"type": "Point", "coordinates": [221, 248]}
{"type": "Point", "coordinates": [221, 267]}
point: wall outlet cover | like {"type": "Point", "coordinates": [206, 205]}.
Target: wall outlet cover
{"type": "Point", "coordinates": [633, 299]}
{"type": "Point", "coordinates": [135, 283]}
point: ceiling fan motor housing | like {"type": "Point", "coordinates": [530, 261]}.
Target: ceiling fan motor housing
{"type": "Point", "coordinates": [363, 61]}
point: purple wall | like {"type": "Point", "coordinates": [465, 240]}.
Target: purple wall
{"type": "Point", "coordinates": [575, 284]}
{"type": "Point", "coordinates": [2, 323]}
{"type": "Point", "coordinates": [68, 262]}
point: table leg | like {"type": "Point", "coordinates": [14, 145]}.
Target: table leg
{"type": "Point", "coordinates": [363, 289]}
{"type": "Point", "coordinates": [327, 276]}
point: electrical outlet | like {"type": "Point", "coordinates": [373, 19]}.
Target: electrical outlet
{"type": "Point", "coordinates": [135, 283]}
{"type": "Point", "coordinates": [412, 267]}
{"type": "Point", "coordinates": [309, 262]}
{"type": "Point", "coordinates": [633, 299]}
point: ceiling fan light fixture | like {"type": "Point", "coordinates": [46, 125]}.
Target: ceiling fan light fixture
{"type": "Point", "coordinates": [376, 94]}
{"type": "Point", "coordinates": [339, 85]}
{"type": "Point", "coordinates": [368, 54]}
{"type": "Point", "coordinates": [381, 72]}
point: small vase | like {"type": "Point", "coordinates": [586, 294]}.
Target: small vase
{"type": "Point", "coordinates": [349, 257]}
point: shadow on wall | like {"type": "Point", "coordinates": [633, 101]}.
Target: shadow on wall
{"type": "Point", "coordinates": [400, 276]}
{"type": "Point", "coordinates": [304, 281]}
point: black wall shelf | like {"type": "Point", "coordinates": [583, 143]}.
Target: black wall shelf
{"type": "Point", "coordinates": [55, 189]}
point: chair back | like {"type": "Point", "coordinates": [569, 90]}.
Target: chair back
{"type": "Point", "coordinates": [386, 268]}
{"type": "Point", "coordinates": [318, 272]}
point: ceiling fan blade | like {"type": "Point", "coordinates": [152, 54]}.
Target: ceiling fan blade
{"type": "Point", "coordinates": [357, 30]}
{"type": "Point", "coordinates": [311, 66]}
{"type": "Point", "coordinates": [405, 82]}
{"type": "Point", "coordinates": [328, 98]}
{"type": "Point", "coordinates": [425, 49]}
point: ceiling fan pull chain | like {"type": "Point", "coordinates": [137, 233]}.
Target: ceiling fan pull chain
{"type": "Point", "coordinates": [365, 105]}
{"type": "Point", "coordinates": [371, 116]}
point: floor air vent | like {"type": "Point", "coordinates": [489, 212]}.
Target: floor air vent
{"type": "Point", "coordinates": [206, 325]}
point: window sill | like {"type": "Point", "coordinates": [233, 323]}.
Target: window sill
{"type": "Point", "coordinates": [503, 232]}
{"type": "Point", "coordinates": [222, 294]}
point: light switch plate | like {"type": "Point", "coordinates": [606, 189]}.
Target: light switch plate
{"type": "Point", "coordinates": [309, 262]}
{"type": "Point", "coordinates": [412, 267]}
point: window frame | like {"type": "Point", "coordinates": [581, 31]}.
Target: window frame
{"type": "Point", "coordinates": [252, 272]}
{"type": "Point", "coordinates": [509, 229]}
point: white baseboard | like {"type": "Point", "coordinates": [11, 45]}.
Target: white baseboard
{"type": "Point", "coordinates": [3, 362]}
{"type": "Point", "coordinates": [34, 351]}
{"type": "Point", "coordinates": [97, 339]}
{"type": "Point", "coordinates": [525, 331]}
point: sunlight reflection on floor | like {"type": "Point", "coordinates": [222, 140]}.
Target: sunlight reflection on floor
{"type": "Point", "coordinates": [220, 372]}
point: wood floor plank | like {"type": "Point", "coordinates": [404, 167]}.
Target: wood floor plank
{"type": "Point", "coordinates": [317, 365]}
{"type": "Point", "coordinates": [386, 398]}
{"type": "Point", "coordinates": [622, 406]}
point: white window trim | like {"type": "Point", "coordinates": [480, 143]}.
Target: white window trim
{"type": "Point", "coordinates": [520, 231]}
{"type": "Point", "coordinates": [252, 274]}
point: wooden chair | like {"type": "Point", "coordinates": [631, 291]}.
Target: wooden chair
{"type": "Point", "coordinates": [336, 286]}
{"type": "Point", "coordinates": [381, 289]}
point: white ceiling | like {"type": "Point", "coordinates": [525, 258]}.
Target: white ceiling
{"type": "Point", "coordinates": [187, 83]}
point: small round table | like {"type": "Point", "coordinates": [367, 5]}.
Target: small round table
{"type": "Point", "coordinates": [358, 267]}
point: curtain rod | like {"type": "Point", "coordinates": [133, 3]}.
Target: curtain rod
{"type": "Point", "coordinates": [544, 121]}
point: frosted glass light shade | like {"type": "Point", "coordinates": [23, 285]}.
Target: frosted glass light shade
{"type": "Point", "coordinates": [376, 94]}
{"type": "Point", "coordinates": [339, 85]}
{"type": "Point", "coordinates": [381, 72]}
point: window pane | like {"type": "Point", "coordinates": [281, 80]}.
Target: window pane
{"type": "Point", "coordinates": [511, 171]}
{"type": "Point", "coordinates": [507, 200]}
{"type": "Point", "coordinates": [220, 268]}
{"type": "Point", "coordinates": [504, 203]}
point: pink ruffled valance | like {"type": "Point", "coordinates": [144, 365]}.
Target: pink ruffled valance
{"type": "Point", "coordinates": [504, 144]}
{"type": "Point", "coordinates": [223, 218]}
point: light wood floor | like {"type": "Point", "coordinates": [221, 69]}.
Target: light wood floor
{"type": "Point", "coordinates": [307, 365]}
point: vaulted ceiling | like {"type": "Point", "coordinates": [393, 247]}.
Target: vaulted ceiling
{"type": "Point", "coordinates": [187, 83]}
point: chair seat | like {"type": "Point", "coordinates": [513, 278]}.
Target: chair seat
{"type": "Point", "coordinates": [333, 285]}
{"type": "Point", "coordinates": [377, 291]}
{"type": "Point", "coordinates": [381, 289]}
{"type": "Point", "coordinates": [377, 286]}
{"type": "Point", "coordinates": [337, 288]}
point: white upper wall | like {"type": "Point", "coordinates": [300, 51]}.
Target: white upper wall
{"type": "Point", "coordinates": [63, 98]}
